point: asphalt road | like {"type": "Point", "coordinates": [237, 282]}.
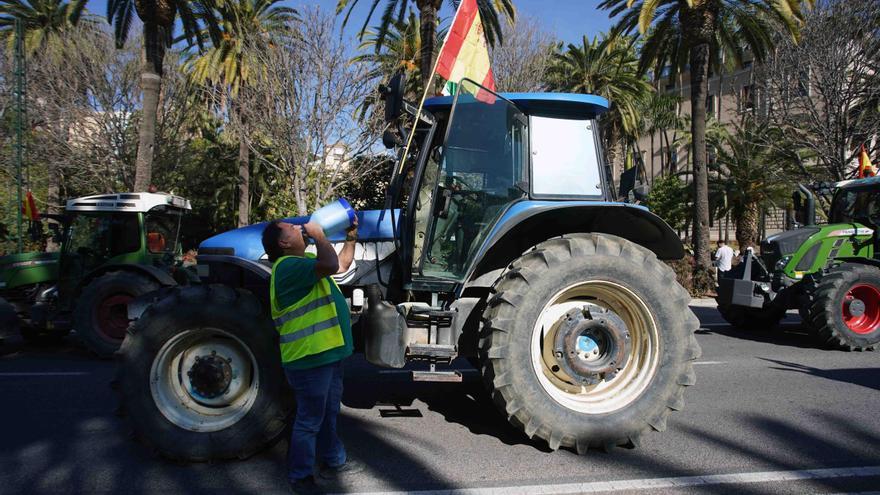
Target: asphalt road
{"type": "Point", "coordinates": [771, 413]}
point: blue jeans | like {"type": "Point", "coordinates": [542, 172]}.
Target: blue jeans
{"type": "Point", "coordinates": [318, 399]}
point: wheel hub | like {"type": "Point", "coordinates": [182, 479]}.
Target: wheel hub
{"type": "Point", "coordinates": [590, 349]}
{"type": "Point", "coordinates": [210, 375]}
{"type": "Point", "coordinates": [855, 307]}
{"type": "Point", "coordinates": [111, 316]}
{"type": "Point", "coordinates": [861, 309]}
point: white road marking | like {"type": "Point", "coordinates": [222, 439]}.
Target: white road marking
{"type": "Point", "coordinates": [655, 483]}
{"type": "Point", "coordinates": [46, 373]}
{"type": "Point", "coordinates": [710, 362]}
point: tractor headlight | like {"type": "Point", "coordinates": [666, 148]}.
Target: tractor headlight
{"type": "Point", "coordinates": [781, 264]}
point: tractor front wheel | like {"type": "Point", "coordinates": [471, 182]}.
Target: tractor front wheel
{"type": "Point", "coordinates": [588, 341]}
{"type": "Point", "coordinates": [200, 376]}
{"type": "Point", "coordinates": [101, 315]}
{"type": "Point", "coordinates": [844, 306]}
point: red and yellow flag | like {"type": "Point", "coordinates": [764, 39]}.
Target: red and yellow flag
{"type": "Point", "coordinates": [865, 167]}
{"type": "Point", "coordinates": [29, 208]}
{"type": "Point", "coordinates": [465, 52]}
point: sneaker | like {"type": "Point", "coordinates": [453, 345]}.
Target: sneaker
{"type": "Point", "coordinates": [350, 467]}
{"type": "Point", "coordinates": [305, 486]}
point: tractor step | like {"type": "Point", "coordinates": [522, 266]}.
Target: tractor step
{"type": "Point", "coordinates": [437, 376]}
{"type": "Point", "coordinates": [432, 351]}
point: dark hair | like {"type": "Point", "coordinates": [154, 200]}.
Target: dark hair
{"type": "Point", "coordinates": [271, 236]}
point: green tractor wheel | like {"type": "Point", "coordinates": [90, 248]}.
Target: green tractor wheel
{"type": "Point", "coordinates": [844, 306]}
{"type": "Point", "coordinates": [9, 321]}
{"type": "Point", "coordinates": [101, 315]}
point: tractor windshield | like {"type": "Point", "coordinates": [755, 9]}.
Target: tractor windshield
{"type": "Point", "coordinates": [480, 171]}
{"type": "Point", "coordinates": [850, 206]}
{"type": "Point", "coordinates": [162, 225]}
{"type": "Point", "coordinates": [94, 238]}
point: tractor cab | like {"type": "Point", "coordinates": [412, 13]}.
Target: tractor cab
{"type": "Point", "coordinates": [125, 228]}
{"type": "Point", "coordinates": [856, 201]}
{"type": "Point", "coordinates": [477, 155]}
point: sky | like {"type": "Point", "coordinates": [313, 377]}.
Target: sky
{"type": "Point", "coordinates": [568, 20]}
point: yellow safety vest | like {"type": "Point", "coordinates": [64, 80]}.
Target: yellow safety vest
{"type": "Point", "coordinates": [308, 326]}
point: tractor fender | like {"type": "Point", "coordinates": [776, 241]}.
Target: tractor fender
{"type": "Point", "coordinates": [154, 273]}
{"type": "Point", "coordinates": [861, 261]}
{"type": "Point", "coordinates": [528, 223]}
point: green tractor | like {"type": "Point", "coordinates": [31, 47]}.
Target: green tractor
{"type": "Point", "coordinates": [114, 247]}
{"type": "Point", "coordinates": [829, 273]}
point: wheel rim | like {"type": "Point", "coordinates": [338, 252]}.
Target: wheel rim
{"type": "Point", "coordinates": [616, 377]}
{"type": "Point", "coordinates": [204, 379]}
{"type": "Point", "coordinates": [111, 317]}
{"type": "Point", "coordinates": [861, 308]}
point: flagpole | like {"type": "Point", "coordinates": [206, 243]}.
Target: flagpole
{"type": "Point", "coordinates": [412, 132]}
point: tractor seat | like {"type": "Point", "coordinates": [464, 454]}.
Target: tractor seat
{"type": "Point", "coordinates": [155, 242]}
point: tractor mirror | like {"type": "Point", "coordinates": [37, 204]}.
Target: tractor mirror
{"type": "Point", "coordinates": [393, 96]}
{"type": "Point", "coordinates": [641, 192]}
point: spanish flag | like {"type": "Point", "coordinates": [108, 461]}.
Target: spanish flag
{"type": "Point", "coordinates": [865, 167]}
{"type": "Point", "coordinates": [29, 208]}
{"type": "Point", "coordinates": [465, 52]}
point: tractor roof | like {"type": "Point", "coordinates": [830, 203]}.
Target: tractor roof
{"type": "Point", "coordinates": [127, 202]}
{"type": "Point", "coordinates": [866, 184]}
{"type": "Point", "coordinates": [566, 105]}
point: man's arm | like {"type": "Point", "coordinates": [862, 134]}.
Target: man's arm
{"type": "Point", "coordinates": [328, 262]}
{"type": "Point", "coordinates": [346, 256]}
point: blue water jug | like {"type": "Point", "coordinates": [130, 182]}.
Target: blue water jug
{"type": "Point", "coordinates": [335, 217]}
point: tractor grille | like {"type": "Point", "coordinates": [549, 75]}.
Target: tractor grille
{"type": "Point", "coordinates": [782, 244]}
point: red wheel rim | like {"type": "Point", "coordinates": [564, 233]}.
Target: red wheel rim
{"type": "Point", "coordinates": [111, 317]}
{"type": "Point", "coordinates": [867, 321]}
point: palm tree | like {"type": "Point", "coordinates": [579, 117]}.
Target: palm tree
{"type": "Point", "coordinates": [751, 173]}
{"type": "Point", "coordinates": [680, 31]}
{"type": "Point", "coordinates": [395, 11]}
{"type": "Point", "coordinates": [401, 52]}
{"type": "Point", "coordinates": [43, 20]}
{"type": "Point", "coordinates": [659, 114]}
{"type": "Point", "coordinates": [158, 18]}
{"type": "Point", "coordinates": [246, 28]}
{"type": "Point", "coordinates": [608, 67]}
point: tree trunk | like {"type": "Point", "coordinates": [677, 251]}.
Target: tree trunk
{"type": "Point", "coordinates": [151, 82]}
{"type": "Point", "coordinates": [699, 59]}
{"type": "Point", "coordinates": [244, 175]}
{"type": "Point", "coordinates": [747, 226]}
{"type": "Point", "coordinates": [244, 178]}
{"type": "Point", "coordinates": [428, 27]}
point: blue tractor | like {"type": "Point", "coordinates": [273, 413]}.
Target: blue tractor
{"type": "Point", "coordinates": [507, 248]}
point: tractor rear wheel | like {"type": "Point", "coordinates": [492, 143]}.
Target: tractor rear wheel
{"type": "Point", "coordinates": [752, 318]}
{"type": "Point", "coordinates": [588, 341]}
{"type": "Point", "coordinates": [101, 315]}
{"type": "Point", "coordinates": [844, 306]}
{"type": "Point", "coordinates": [200, 377]}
